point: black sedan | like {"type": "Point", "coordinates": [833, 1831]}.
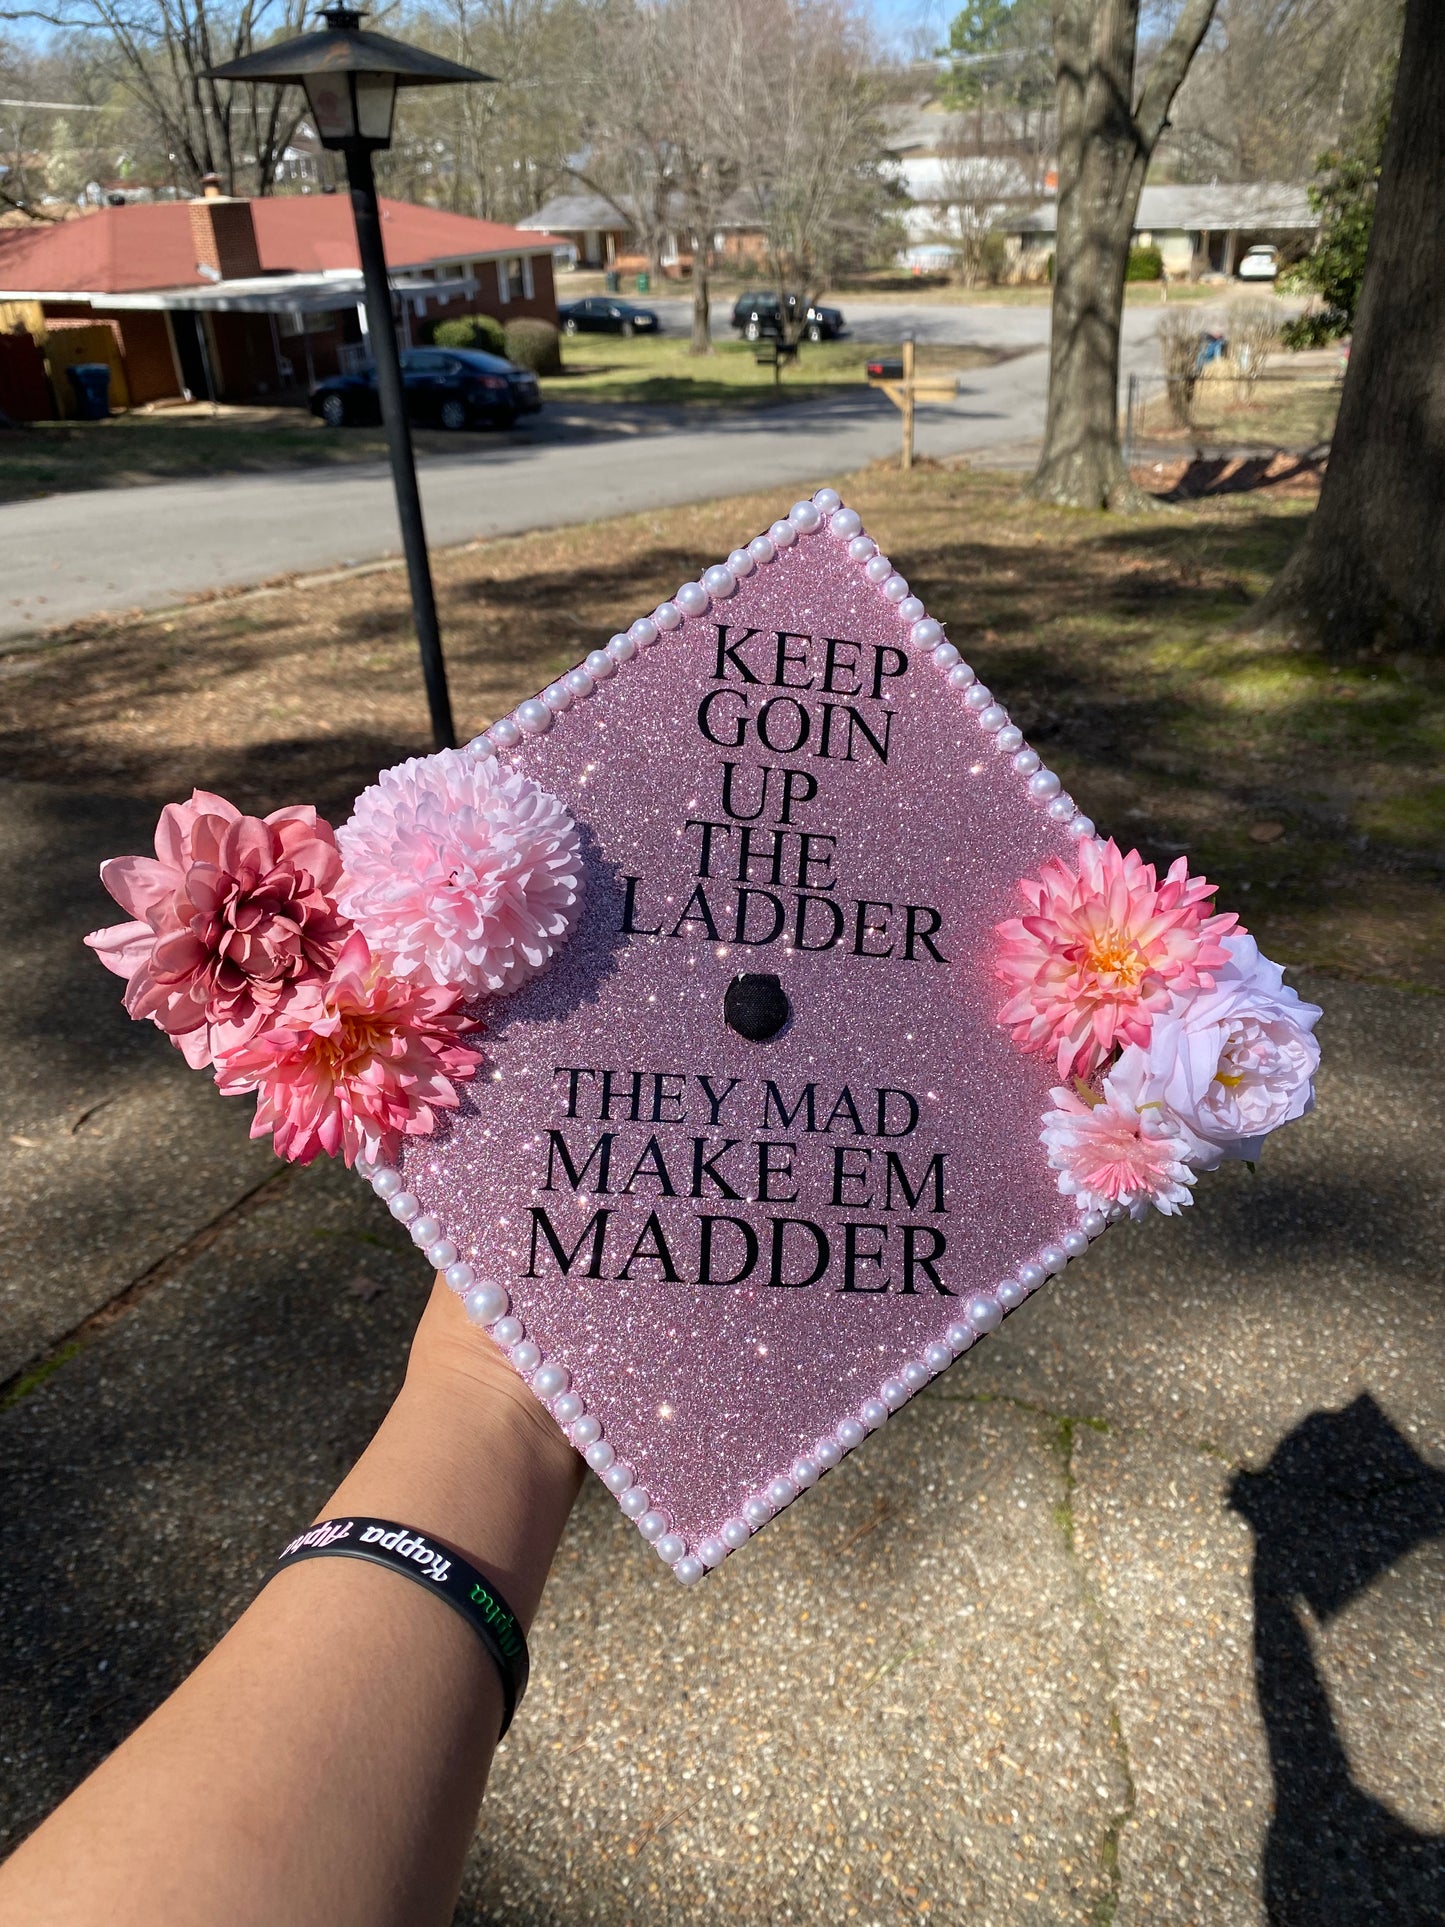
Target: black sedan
{"type": "Point", "coordinates": [604, 314]}
{"type": "Point", "coordinates": [444, 388]}
{"type": "Point", "coordinates": [757, 315]}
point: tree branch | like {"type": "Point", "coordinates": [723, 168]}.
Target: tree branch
{"type": "Point", "coordinates": [1166, 75]}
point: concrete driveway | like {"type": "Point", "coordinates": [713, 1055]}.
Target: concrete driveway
{"type": "Point", "coordinates": [66, 557]}
{"type": "Point", "coordinates": [1133, 1617]}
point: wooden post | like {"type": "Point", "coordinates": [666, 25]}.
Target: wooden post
{"type": "Point", "coordinates": [906, 393]}
{"type": "Point", "coordinates": [906, 458]}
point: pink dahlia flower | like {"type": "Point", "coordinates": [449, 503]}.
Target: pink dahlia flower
{"type": "Point", "coordinates": [1117, 1148]}
{"type": "Point", "coordinates": [461, 872]}
{"type": "Point", "coordinates": [354, 1064]}
{"type": "Point", "coordinates": [232, 914]}
{"type": "Point", "coordinates": [1235, 1062]}
{"type": "Point", "coordinates": [1101, 951]}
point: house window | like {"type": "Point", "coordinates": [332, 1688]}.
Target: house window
{"type": "Point", "coordinates": [318, 322]}
{"type": "Point", "coordinates": [511, 284]}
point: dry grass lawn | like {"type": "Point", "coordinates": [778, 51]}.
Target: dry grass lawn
{"type": "Point", "coordinates": [1310, 791]}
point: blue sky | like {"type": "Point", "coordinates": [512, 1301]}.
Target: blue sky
{"type": "Point", "coordinates": [898, 20]}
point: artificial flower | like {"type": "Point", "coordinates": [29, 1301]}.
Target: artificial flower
{"type": "Point", "coordinates": [1101, 952]}
{"type": "Point", "coordinates": [353, 1064]}
{"type": "Point", "coordinates": [232, 915]}
{"type": "Point", "coordinates": [1114, 1147]}
{"type": "Point", "coordinates": [461, 872]}
{"type": "Point", "coordinates": [1234, 1062]}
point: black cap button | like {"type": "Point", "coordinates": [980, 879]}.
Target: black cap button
{"type": "Point", "coordinates": [756, 1007]}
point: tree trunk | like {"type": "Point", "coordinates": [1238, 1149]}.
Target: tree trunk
{"type": "Point", "coordinates": [1370, 572]}
{"type": "Point", "coordinates": [1105, 143]}
{"type": "Point", "coordinates": [701, 343]}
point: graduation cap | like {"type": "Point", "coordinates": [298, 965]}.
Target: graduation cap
{"type": "Point", "coordinates": [667, 1016]}
{"type": "Point", "coordinates": [752, 1161]}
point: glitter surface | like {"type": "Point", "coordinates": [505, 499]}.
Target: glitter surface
{"type": "Point", "coordinates": [709, 1390]}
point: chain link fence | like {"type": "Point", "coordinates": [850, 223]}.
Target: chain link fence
{"type": "Point", "coordinates": [1223, 405]}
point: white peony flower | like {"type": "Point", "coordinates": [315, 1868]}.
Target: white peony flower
{"type": "Point", "coordinates": [1233, 1063]}
{"type": "Point", "coordinates": [460, 872]}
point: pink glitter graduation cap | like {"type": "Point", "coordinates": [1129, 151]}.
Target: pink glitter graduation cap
{"type": "Point", "coordinates": [743, 1026]}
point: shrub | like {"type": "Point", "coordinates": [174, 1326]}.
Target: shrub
{"type": "Point", "coordinates": [482, 331]}
{"type": "Point", "coordinates": [993, 257]}
{"type": "Point", "coordinates": [534, 345]}
{"type": "Point", "coordinates": [1181, 341]}
{"type": "Point", "coordinates": [1145, 264]}
{"type": "Point", "coordinates": [1253, 329]}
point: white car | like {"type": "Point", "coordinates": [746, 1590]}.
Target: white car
{"type": "Point", "coordinates": [1260, 263]}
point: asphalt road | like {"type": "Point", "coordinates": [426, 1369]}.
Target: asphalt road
{"type": "Point", "coordinates": [66, 557]}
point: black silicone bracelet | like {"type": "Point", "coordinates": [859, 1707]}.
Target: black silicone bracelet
{"type": "Point", "coordinates": [441, 1571]}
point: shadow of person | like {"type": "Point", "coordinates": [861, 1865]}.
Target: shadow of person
{"type": "Point", "coordinates": [1342, 1499]}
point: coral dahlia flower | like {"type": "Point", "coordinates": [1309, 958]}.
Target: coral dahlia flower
{"type": "Point", "coordinates": [1101, 951]}
{"type": "Point", "coordinates": [354, 1064]}
{"type": "Point", "coordinates": [459, 871]}
{"type": "Point", "coordinates": [1116, 1148]}
{"type": "Point", "coordinates": [232, 914]}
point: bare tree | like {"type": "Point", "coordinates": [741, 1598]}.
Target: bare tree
{"type": "Point", "coordinates": [1109, 126]}
{"type": "Point", "coordinates": [811, 147]}
{"type": "Point", "coordinates": [658, 146]}
{"type": "Point", "coordinates": [161, 50]}
{"type": "Point", "coordinates": [1276, 82]}
{"type": "Point", "coordinates": [58, 128]}
{"type": "Point", "coordinates": [974, 190]}
{"type": "Point", "coordinates": [1370, 573]}
{"type": "Point", "coordinates": [705, 38]}
{"type": "Point", "coordinates": [495, 152]}
{"type": "Point", "coordinates": [626, 150]}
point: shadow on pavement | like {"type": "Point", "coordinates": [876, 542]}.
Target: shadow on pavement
{"type": "Point", "coordinates": [1343, 1498]}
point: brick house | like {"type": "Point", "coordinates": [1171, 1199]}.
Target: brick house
{"type": "Point", "coordinates": [251, 300]}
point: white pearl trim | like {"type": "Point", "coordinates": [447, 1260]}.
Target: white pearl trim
{"type": "Point", "coordinates": [824, 518]}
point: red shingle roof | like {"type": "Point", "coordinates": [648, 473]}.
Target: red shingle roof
{"type": "Point", "coordinates": [119, 250]}
{"type": "Point", "coordinates": [303, 233]}
{"type": "Point", "coordinates": [115, 251]}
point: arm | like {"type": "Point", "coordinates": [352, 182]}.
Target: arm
{"type": "Point", "coordinates": [323, 1766]}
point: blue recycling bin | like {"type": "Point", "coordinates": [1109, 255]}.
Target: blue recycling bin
{"type": "Point", "coordinates": [91, 382]}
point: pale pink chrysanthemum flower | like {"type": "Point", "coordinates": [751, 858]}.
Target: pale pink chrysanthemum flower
{"type": "Point", "coordinates": [458, 871]}
{"type": "Point", "coordinates": [1101, 950]}
{"type": "Point", "coordinates": [1112, 1149]}
{"type": "Point", "coordinates": [354, 1064]}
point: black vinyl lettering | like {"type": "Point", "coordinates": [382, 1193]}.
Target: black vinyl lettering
{"type": "Point", "coordinates": [595, 1229]}
{"type": "Point", "coordinates": [926, 1262]}
{"type": "Point", "coordinates": [853, 1257]}
{"type": "Point", "coordinates": [576, 1174]}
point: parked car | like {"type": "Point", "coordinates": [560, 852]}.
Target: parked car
{"type": "Point", "coordinates": [756, 315]}
{"type": "Point", "coordinates": [604, 314]}
{"type": "Point", "coordinates": [444, 387]}
{"type": "Point", "coordinates": [1260, 263]}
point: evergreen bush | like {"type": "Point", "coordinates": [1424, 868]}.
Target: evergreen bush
{"type": "Point", "coordinates": [1145, 264]}
{"type": "Point", "coordinates": [535, 345]}
{"type": "Point", "coordinates": [481, 331]}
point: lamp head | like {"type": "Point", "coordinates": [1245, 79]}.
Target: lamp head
{"type": "Point", "coordinates": [350, 75]}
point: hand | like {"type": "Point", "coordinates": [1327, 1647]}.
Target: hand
{"type": "Point", "coordinates": [454, 1360]}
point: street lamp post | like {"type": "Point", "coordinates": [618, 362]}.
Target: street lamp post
{"type": "Point", "coordinates": [351, 77]}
